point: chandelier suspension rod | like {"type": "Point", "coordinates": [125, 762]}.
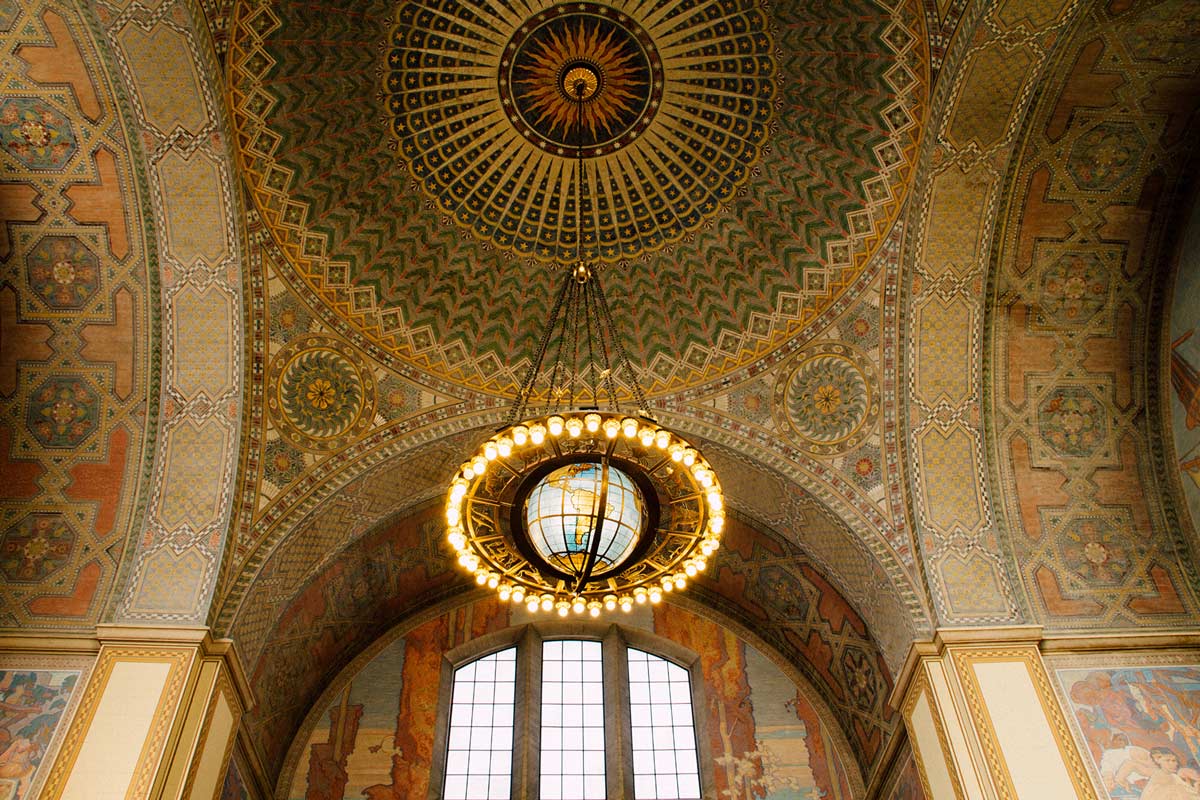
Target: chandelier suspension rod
{"type": "Point", "coordinates": [584, 276]}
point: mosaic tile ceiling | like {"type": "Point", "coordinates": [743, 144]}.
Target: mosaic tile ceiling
{"type": "Point", "coordinates": [415, 165]}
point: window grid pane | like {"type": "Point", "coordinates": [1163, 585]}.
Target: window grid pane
{"type": "Point", "coordinates": [665, 766]}
{"type": "Point", "coordinates": [479, 757]}
{"type": "Point", "coordinates": [572, 721]}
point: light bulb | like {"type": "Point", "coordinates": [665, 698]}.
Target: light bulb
{"type": "Point", "coordinates": [689, 456]}
{"type": "Point", "coordinates": [493, 580]}
{"type": "Point", "coordinates": [490, 451]}
{"type": "Point", "coordinates": [481, 577]}
{"type": "Point", "coordinates": [716, 523]}
{"type": "Point", "coordinates": [518, 595]}
{"type": "Point", "coordinates": [453, 515]}
{"type": "Point", "coordinates": [690, 568]}
{"type": "Point", "coordinates": [676, 451]}
{"type": "Point", "coordinates": [646, 435]}
{"type": "Point", "coordinates": [639, 594]}
{"type": "Point", "coordinates": [547, 602]}
{"type": "Point", "coordinates": [656, 595]}
{"type": "Point", "coordinates": [627, 603]}
{"type": "Point", "coordinates": [708, 546]}
{"type": "Point", "coordinates": [563, 607]}
{"type": "Point", "coordinates": [701, 564]}
{"type": "Point", "coordinates": [504, 447]}
{"type": "Point", "coordinates": [574, 427]}
{"type": "Point", "coordinates": [592, 421]}
{"type": "Point", "coordinates": [715, 502]}
{"type": "Point", "coordinates": [505, 592]}
{"type": "Point", "coordinates": [667, 584]}
{"type": "Point", "coordinates": [532, 605]}
{"type": "Point", "coordinates": [662, 439]}
{"type": "Point", "coordinates": [594, 608]}
{"type": "Point", "coordinates": [578, 606]}
{"type": "Point", "coordinates": [610, 601]}
{"type": "Point", "coordinates": [479, 464]}
{"type": "Point", "coordinates": [630, 426]}
{"type": "Point", "coordinates": [456, 539]}
{"type": "Point", "coordinates": [680, 580]}
{"type": "Point", "coordinates": [520, 435]}
{"type": "Point", "coordinates": [458, 489]}
{"type": "Point", "coordinates": [537, 433]}
{"type": "Point", "coordinates": [468, 472]}
{"type": "Point", "coordinates": [464, 558]}
{"type": "Point", "coordinates": [555, 425]}
{"type": "Point", "coordinates": [611, 428]}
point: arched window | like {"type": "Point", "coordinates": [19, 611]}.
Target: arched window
{"type": "Point", "coordinates": [579, 711]}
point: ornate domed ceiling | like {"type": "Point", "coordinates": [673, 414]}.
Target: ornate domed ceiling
{"type": "Point", "coordinates": [414, 163]}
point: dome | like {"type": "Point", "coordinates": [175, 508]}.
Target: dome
{"type": "Point", "coordinates": [559, 516]}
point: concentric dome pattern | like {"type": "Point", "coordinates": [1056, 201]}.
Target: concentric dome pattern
{"type": "Point", "coordinates": [668, 138]}
{"type": "Point", "coordinates": [414, 164]}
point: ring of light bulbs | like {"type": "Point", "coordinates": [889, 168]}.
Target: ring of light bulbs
{"type": "Point", "coordinates": [690, 524]}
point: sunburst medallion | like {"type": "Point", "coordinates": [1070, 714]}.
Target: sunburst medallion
{"type": "Point", "coordinates": [679, 103]}
{"type": "Point", "coordinates": [581, 47]}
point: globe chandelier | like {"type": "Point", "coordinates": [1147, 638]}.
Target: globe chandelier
{"type": "Point", "coordinates": [577, 504]}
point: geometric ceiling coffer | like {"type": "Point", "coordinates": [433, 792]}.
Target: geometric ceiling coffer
{"type": "Point", "coordinates": [679, 109]}
{"type": "Point", "coordinates": [63, 271]}
{"type": "Point", "coordinates": [36, 547]}
{"type": "Point", "coordinates": [63, 411]}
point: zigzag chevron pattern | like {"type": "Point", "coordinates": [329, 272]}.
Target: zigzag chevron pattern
{"type": "Point", "coordinates": [401, 277]}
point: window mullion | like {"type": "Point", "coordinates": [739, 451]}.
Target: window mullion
{"type": "Point", "coordinates": [618, 746]}
{"type": "Point", "coordinates": [526, 737]}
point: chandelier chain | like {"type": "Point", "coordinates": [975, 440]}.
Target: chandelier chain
{"type": "Point", "coordinates": [525, 392]}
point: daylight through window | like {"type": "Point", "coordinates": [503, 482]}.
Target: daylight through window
{"type": "Point", "coordinates": [588, 707]}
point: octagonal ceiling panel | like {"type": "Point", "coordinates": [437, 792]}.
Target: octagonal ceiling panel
{"type": "Point", "coordinates": [415, 164]}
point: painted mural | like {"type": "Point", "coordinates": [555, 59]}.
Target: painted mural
{"type": "Point", "coordinates": [31, 704]}
{"type": "Point", "coordinates": [907, 784]}
{"type": "Point", "coordinates": [1141, 727]}
{"type": "Point", "coordinates": [765, 737]}
{"type": "Point", "coordinates": [234, 787]}
{"type": "Point", "coordinates": [1185, 364]}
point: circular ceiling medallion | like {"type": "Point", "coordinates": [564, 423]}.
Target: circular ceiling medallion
{"type": "Point", "coordinates": [669, 138]}
{"type": "Point", "coordinates": [320, 397]}
{"type": "Point", "coordinates": [828, 397]}
{"type": "Point", "coordinates": [581, 76]}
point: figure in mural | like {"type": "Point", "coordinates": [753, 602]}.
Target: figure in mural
{"type": "Point", "coordinates": [31, 704]}
{"type": "Point", "coordinates": [1142, 728]}
{"type": "Point", "coordinates": [766, 738]}
{"type": "Point", "coordinates": [1186, 382]}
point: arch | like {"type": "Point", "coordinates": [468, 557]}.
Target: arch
{"type": "Point", "coordinates": [193, 209]}
{"type": "Point", "coordinates": [466, 625]}
{"type": "Point", "coordinates": [997, 210]}
{"type": "Point", "coordinates": [121, 327]}
{"type": "Point", "coordinates": [1071, 390]}
{"type": "Point", "coordinates": [761, 582]}
{"type": "Point", "coordinates": [389, 475]}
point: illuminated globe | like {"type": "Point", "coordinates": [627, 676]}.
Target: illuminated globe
{"type": "Point", "coordinates": [560, 517]}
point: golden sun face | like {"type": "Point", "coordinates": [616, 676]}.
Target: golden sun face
{"type": "Point", "coordinates": [579, 76]}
